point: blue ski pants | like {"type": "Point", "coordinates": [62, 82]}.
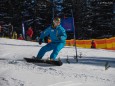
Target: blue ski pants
{"type": "Point", "coordinates": [56, 47]}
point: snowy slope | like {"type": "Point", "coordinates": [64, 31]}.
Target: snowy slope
{"type": "Point", "coordinates": [89, 71]}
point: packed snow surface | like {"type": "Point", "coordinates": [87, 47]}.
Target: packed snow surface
{"type": "Point", "coordinates": [95, 67]}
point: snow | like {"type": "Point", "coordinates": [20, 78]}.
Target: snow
{"type": "Point", "coordinates": [89, 71]}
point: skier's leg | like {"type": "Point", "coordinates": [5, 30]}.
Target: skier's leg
{"type": "Point", "coordinates": [43, 50]}
{"type": "Point", "coordinates": [56, 50]}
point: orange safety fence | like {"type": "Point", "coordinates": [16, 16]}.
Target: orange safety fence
{"type": "Point", "coordinates": [113, 39]}
{"type": "Point", "coordinates": [100, 43]}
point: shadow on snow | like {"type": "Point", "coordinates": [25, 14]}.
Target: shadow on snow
{"type": "Point", "coordinates": [97, 61]}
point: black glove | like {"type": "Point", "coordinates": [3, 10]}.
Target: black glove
{"type": "Point", "coordinates": [40, 41]}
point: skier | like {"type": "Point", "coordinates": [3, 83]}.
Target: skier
{"type": "Point", "coordinates": [29, 33]}
{"type": "Point", "coordinates": [10, 30]}
{"type": "Point", "coordinates": [20, 37]}
{"type": "Point", "coordinates": [93, 44]}
{"type": "Point", "coordinates": [1, 31]}
{"type": "Point", "coordinates": [58, 37]}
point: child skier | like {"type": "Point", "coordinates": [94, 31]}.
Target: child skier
{"type": "Point", "coordinates": [58, 37]}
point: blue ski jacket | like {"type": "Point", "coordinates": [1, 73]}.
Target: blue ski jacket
{"type": "Point", "coordinates": [56, 35]}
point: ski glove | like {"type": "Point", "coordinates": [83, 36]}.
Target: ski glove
{"type": "Point", "coordinates": [40, 41]}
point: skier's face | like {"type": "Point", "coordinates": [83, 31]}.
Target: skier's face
{"type": "Point", "coordinates": [56, 23]}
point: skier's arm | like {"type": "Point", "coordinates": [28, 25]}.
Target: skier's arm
{"type": "Point", "coordinates": [45, 33]}
{"type": "Point", "coordinates": [63, 35]}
